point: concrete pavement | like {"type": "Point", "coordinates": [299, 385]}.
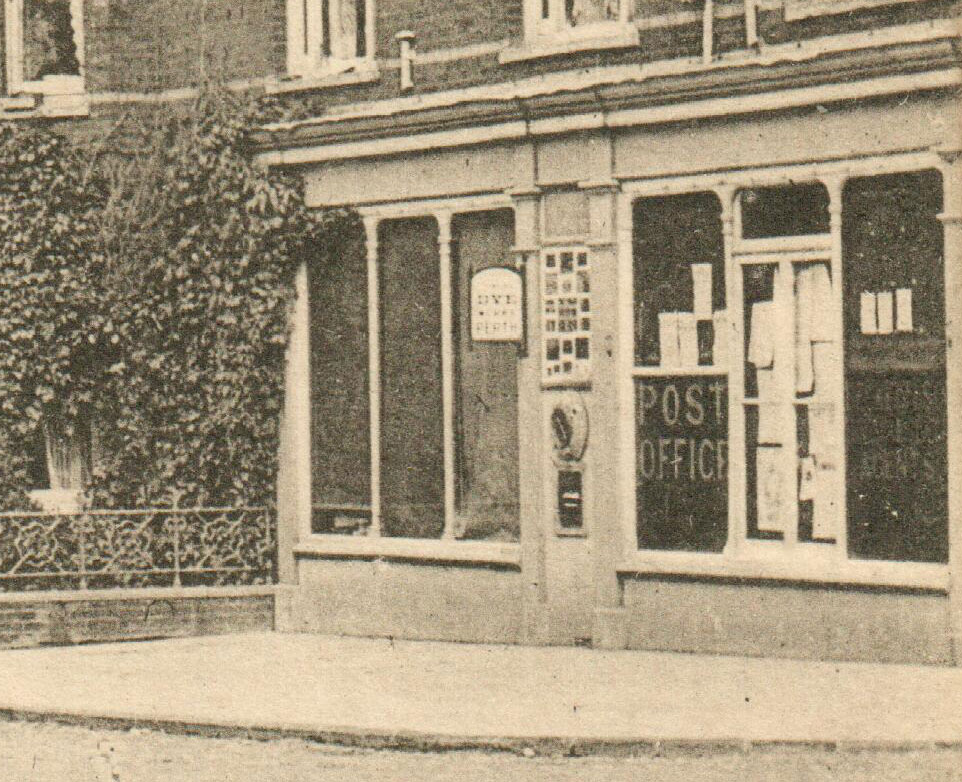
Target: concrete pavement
{"type": "Point", "coordinates": [373, 692]}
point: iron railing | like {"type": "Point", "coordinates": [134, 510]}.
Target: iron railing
{"type": "Point", "coordinates": [103, 549]}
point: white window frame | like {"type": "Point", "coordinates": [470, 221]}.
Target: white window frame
{"type": "Point", "coordinates": [305, 36]}
{"type": "Point", "coordinates": [55, 84]}
{"type": "Point", "coordinates": [555, 25]}
{"type": "Point", "coordinates": [742, 557]}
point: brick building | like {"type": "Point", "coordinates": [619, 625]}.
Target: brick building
{"type": "Point", "coordinates": [651, 340]}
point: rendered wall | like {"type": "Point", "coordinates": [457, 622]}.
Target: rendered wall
{"type": "Point", "coordinates": [426, 601]}
{"type": "Point", "coordinates": [767, 620]}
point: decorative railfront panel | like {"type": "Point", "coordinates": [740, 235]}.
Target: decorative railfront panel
{"type": "Point", "coordinates": [136, 548]}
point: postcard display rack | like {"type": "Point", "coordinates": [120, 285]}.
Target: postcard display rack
{"type": "Point", "coordinates": [566, 302]}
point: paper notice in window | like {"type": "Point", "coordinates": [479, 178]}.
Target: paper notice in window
{"type": "Point", "coordinates": [903, 310]}
{"type": "Point", "coordinates": [687, 339]}
{"type": "Point", "coordinates": [668, 339]}
{"type": "Point", "coordinates": [720, 343]}
{"type": "Point", "coordinates": [761, 342]}
{"type": "Point", "coordinates": [769, 490]}
{"type": "Point", "coordinates": [868, 319]}
{"type": "Point", "coordinates": [701, 279]}
{"type": "Point", "coordinates": [886, 312]}
{"type": "Point", "coordinates": [822, 303]}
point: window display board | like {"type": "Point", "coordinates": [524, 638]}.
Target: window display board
{"type": "Point", "coordinates": [566, 313]}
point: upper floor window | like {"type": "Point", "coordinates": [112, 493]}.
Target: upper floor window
{"type": "Point", "coordinates": [577, 18]}
{"type": "Point", "coordinates": [329, 36]}
{"type": "Point", "coordinates": [44, 46]}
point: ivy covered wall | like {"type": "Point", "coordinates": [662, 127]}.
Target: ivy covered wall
{"type": "Point", "coordinates": [145, 287]}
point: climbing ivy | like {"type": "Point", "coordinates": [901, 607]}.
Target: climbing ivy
{"type": "Point", "coordinates": [146, 287]}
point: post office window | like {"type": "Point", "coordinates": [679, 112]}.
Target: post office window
{"type": "Point", "coordinates": [822, 372]}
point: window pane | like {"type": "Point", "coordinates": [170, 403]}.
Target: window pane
{"type": "Point", "coordinates": [579, 12]}
{"type": "Point", "coordinates": [340, 408]}
{"type": "Point", "coordinates": [48, 40]}
{"type": "Point", "coordinates": [487, 393]}
{"type": "Point", "coordinates": [412, 432]}
{"type": "Point", "coordinates": [678, 247]}
{"type": "Point", "coordinates": [681, 419]}
{"type": "Point", "coordinates": [792, 210]}
{"type": "Point", "coordinates": [682, 463]}
{"type": "Point", "coordinates": [895, 368]}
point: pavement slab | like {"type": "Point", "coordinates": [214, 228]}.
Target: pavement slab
{"type": "Point", "coordinates": [402, 693]}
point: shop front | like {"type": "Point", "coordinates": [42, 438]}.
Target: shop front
{"type": "Point", "coordinates": [614, 371]}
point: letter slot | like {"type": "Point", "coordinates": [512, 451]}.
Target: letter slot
{"type": "Point", "coordinates": [570, 500]}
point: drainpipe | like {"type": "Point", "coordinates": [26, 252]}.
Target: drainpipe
{"type": "Point", "coordinates": [708, 30]}
{"type": "Point", "coordinates": [751, 24]}
{"type": "Point", "coordinates": [405, 39]}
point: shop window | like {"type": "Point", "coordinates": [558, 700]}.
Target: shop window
{"type": "Point", "coordinates": [486, 392]}
{"type": "Point", "coordinates": [326, 37]}
{"type": "Point", "coordinates": [412, 399]}
{"type": "Point", "coordinates": [895, 368]}
{"type": "Point", "coordinates": [681, 386]}
{"type": "Point", "coordinates": [790, 210]}
{"type": "Point", "coordinates": [340, 402]}
{"type": "Point", "coordinates": [838, 423]}
{"type": "Point", "coordinates": [44, 46]}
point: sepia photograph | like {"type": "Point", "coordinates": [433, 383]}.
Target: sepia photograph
{"type": "Point", "coordinates": [471, 390]}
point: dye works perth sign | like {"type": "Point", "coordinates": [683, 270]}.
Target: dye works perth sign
{"type": "Point", "coordinates": [496, 306]}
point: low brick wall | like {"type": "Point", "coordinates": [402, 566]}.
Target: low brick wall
{"type": "Point", "coordinates": [52, 618]}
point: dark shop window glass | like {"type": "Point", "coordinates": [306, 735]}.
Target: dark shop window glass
{"type": "Point", "coordinates": [674, 239]}
{"type": "Point", "coordinates": [340, 406]}
{"type": "Point", "coordinates": [681, 419]}
{"type": "Point", "coordinates": [789, 210]}
{"type": "Point", "coordinates": [412, 433]}
{"type": "Point", "coordinates": [895, 368]}
{"type": "Point", "coordinates": [486, 391]}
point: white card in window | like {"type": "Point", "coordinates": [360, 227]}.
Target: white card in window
{"type": "Point", "coordinates": [823, 323]}
{"type": "Point", "coordinates": [687, 339]}
{"type": "Point", "coordinates": [701, 280]}
{"type": "Point", "coordinates": [719, 346]}
{"type": "Point", "coordinates": [903, 310]}
{"type": "Point", "coordinates": [868, 319]}
{"type": "Point", "coordinates": [886, 312]}
{"type": "Point", "coordinates": [668, 338]}
{"type": "Point", "coordinates": [761, 342]}
{"type": "Point", "coordinates": [769, 490]}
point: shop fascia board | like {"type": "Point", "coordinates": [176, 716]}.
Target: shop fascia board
{"type": "Point", "coordinates": [640, 95]}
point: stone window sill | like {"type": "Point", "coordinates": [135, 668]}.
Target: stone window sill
{"type": "Point", "coordinates": [539, 48]}
{"type": "Point", "coordinates": [466, 552]}
{"type": "Point", "coordinates": [366, 74]}
{"type": "Point", "coordinates": [30, 105]}
{"type": "Point", "coordinates": [852, 572]}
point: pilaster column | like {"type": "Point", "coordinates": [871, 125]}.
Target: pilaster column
{"type": "Point", "coordinates": [531, 456]}
{"type": "Point", "coordinates": [294, 459]}
{"type": "Point", "coordinates": [447, 374]}
{"type": "Point", "coordinates": [605, 416]}
{"type": "Point", "coordinates": [736, 357]}
{"type": "Point", "coordinates": [951, 219]}
{"type": "Point", "coordinates": [374, 370]}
